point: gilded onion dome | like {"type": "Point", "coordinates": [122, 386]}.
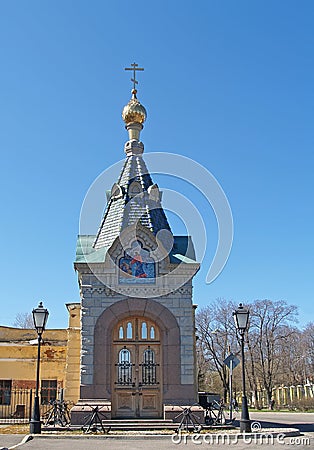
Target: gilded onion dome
{"type": "Point", "coordinates": [134, 111]}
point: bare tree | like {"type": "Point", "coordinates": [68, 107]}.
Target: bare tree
{"type": "Point", "coordinates": [269, 329]}
{"type": "Point", "coordinates": [216, 333]}
{"type": "Point", "coordinates": [277, 352]}
{"type": "Point", "coordinates": [251, 370]}
{"type": "Point", "coordinates": [308, 351]}
{"type": "Point", "coordinates": [290, 363]}
{"type": "Point", "coordinates": [23, 320]}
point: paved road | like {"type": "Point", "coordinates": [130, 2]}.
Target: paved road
{"type": "Point", "coordinates": [304, 422]}
{"type": "Point", "coordinates": [7, 440]}
{"type": "Point", "coordinates": [82, 443]}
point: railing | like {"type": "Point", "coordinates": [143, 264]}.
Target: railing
{"type": "Point", "coordinates": [16, 406]}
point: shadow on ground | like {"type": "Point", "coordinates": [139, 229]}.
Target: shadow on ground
{"type": "Point", "coordinates": [304, 427]}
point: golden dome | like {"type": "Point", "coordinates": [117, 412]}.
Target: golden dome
{"type": "Point", "coordinates": [134, 111]}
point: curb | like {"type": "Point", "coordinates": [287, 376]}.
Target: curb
{"type": "Point", "coordinates": [287, 432]}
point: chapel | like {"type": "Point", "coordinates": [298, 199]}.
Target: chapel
{"type": "Point", "coordinates": [135, 277]}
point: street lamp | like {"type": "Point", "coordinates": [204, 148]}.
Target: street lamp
{"type": "Point", "coordinates": [40, 316]}
{"type": "Point", "coordinates": [241, 318]}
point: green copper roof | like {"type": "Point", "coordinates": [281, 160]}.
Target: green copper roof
{"type": "Point", "coordinates": [182, 251]}
{"type": "Point", "coordinates": [85, 253]}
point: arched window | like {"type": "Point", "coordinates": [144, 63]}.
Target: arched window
{"type": "Point", "coordinates": [149, 367]}
{"type": "Point", "coordinates": [124, 367]}
{"type": "Point", "coordinates": [129, 330]}
{"type": "Point", "coordinates": [135, 189]}
{"type": "Point", "coordinates": [124, 356]}
{"type": "Point", "coordinates": [149, 356]}
{"type": "Point", "coordinates": [136, 328]}
{"type": "Point", "coordinates": [116, 191]}
{"type": "Point", "coordinates": [144, 330]}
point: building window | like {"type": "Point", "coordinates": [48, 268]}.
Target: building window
{"type": "Point", "coordinates": [135, 188]}
{"type": "Point", "coordinates": [149, 367]}
{"type": "Point", "coordinates": [124, 367]}
{"type": "Point", "coordinates": [48, 391]}
{"type": "Point", "coordinates": [5, 392]}
{"type": "Point", "coordinates": [144, 330]}
{"type": "Point", "coordinates": [129, 331]}
{"type": "Point", "coordinates": [136, 328]}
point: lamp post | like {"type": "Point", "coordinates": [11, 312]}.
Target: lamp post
{"type": "Point", "coordinates": [40, 316]}
{"type": "Point", "coordinates": [241, 318]}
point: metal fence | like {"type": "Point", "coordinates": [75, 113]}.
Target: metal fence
{"type": "Point", "coordinates": [16, 406]}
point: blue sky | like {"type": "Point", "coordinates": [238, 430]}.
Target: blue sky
{"type": "Point", "coordinates": [227, 83]}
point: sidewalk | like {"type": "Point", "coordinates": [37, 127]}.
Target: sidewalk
{"type": "Point", "coordinates": [10, 440]}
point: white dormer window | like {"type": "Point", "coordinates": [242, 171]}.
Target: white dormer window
{"type": "Point", "coordinates": [116, 191]}
{"type": "Point", "coordinates": [135, 189]}
{"type": "Point", "coordinates": [154, 193]}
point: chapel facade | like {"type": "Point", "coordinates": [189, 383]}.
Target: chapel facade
{"type": "Point", "coordinates": [137, 315]}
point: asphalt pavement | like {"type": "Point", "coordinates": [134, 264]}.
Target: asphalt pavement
{"type": "Point", "coordinates": [302, 421]}
{"type": "Point", "coordinates": [8, 440]}
{"type": "Point", "coordinates": [168, 442]}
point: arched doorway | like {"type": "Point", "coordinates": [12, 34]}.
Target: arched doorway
{"type": "Point", "coordinates": [136, 369]}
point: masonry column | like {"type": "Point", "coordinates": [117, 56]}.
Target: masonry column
{"type": "Point", "coordinates": [72, 371]}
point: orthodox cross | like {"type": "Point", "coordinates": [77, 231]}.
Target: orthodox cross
{"type": "Point", "coordinates": [134, 67]}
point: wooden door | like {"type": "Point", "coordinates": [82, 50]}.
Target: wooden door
{"type": "Point", "coordinates": [136, 367]}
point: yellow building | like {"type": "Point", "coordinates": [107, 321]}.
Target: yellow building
{"type": "Point", "coordinates": [59, 369]}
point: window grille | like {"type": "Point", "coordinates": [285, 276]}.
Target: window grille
{"type": "Point", "coordinates": [124, 367]}
{"type": "Point", "coordinates": [5, 392]}
{"type": "Point", "coordinates": [149, 367]}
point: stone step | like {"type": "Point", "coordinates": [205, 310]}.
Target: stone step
{"type": "Point", "coordinates": [141, 427]}
{"type": "Point", "coordinates": [135, 424]}
{"type": "Point", "coordinates": [138, 424]}
{"type": "Point", "coordinates": [137, 421]}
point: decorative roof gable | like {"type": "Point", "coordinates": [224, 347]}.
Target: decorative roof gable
{"type": "Point", "coordinates": [134, 198]}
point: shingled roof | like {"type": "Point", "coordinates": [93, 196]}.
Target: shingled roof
{"type": "Point", "coordinates": [134, 198]}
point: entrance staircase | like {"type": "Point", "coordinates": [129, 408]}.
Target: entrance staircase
{"type": "Point", "coordinates": [139, 424]}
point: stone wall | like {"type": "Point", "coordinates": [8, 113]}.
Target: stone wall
{"type": "Point", "coordinates": [95, 302]}
{"type": "Point", "coordinates": [72, 368]}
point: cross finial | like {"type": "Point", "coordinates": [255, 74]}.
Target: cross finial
{"type": "Point", "coordinates": [134, 67]}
